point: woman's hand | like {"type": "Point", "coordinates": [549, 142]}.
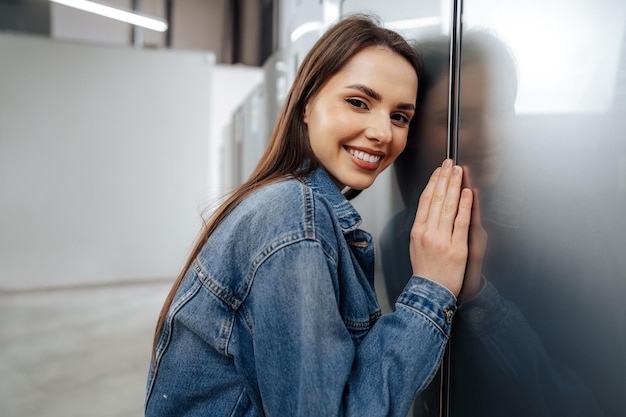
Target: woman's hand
{"type": "Point", "coordinates": [439, 237]}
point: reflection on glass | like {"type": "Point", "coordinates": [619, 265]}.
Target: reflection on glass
{"type": "Point", "coordinates": [540, 331]}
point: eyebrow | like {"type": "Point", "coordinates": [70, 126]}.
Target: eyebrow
{"type": "Point", "coordinates": [374, 95]}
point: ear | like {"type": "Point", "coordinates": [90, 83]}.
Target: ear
{"type": "Point", "coordinates": [305, 114]}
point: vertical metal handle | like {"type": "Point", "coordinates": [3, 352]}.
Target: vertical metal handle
{"type": "Point", "coordinates": [454, 110]}
{"type": "Point", "coordinates": [456, 34]}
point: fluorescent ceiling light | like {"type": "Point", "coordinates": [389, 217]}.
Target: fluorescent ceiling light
{"type": "Point", "coordinates": [133, 18]}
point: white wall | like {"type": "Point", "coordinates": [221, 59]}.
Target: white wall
{"type": "Point", "coordinates": [103, 161]}
{"type": "Point", "coordinates": [231, 85]}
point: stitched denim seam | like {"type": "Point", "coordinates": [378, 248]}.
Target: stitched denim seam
{"type": "Point", "coordinates": [165, 336]}
{"type": "Point", "coordinates": [215, 288]}
{"type": "Point", "coordinates": [226, 331]}
{"type": "Point", "coordinates": [309, 213]}
{"type": "Point", "coordinates": [363, 324]}
{"type": "Point", "coordinates": [447, 335]}
{"type": "Point", "coordinates": [276, 247]}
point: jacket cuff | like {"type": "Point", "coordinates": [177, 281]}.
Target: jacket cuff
{"type": "Point", "coordinates": [431, 299]}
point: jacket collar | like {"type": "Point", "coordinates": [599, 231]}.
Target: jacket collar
{"type": "Point", "coordinates": [320, 183]}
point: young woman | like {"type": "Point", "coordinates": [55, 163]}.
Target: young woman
{"type": "Point", "coordinates": [275, 313]}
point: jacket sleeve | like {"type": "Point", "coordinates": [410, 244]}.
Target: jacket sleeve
{"type": "Point", "coordinates": [307, 361]}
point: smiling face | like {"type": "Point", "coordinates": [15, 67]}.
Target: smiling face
{"type": "Point", "coordinates": [359, 120]}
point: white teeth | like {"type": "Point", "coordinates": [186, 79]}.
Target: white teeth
{"type": "Point", "coordinates": [364, 156]}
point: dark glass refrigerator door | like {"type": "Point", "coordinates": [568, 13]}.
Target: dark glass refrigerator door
{"type": "Point", "coordinates": [541, 121]}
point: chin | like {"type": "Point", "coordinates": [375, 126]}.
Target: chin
{"type": "Point", "coordinates": [359, 185]}
{"type": "Point", "coordinates": [357, 180]}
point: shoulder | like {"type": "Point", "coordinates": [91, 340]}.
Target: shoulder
{"type": "Point", "coordinates": [285, 210]}
{"type": "Point", "coordinates": [273, 218]}
{"type": "Point", "coordinates": [287, 204]}
{"type": "Point", "coordinates": [287, 194]}
{"type": "Point", "coordinates": [277, 226]}
{"type": "Point", "coordinates": [280, 206]}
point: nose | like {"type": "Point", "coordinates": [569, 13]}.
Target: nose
{"type": "Point", "coordinates": [379, 128]}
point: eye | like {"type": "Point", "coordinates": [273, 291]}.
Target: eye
{"type": "Point", "coordinates": [355, 102]}
{"type": "Point", "coordinates": [401, 118]}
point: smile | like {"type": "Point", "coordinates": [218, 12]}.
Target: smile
{"type": "Point", "coordinates": [364, 156]}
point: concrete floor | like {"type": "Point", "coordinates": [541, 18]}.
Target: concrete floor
{"type": "Point", "coordinates": [78, 351]}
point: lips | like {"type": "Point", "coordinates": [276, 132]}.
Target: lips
{"type": "Point", "coordinates": [364, 159]}
{"type": "Point", "coordinates": [364, 156]}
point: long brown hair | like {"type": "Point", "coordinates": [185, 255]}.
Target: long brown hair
{"type": "Point", "coordinates": [288, 153]}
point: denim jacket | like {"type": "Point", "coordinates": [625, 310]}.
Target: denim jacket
{"type": "Point", "coordinates": [277, 316]}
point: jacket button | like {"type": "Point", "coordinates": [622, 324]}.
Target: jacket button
{"type": "Point", "coordinates": [449, 314]}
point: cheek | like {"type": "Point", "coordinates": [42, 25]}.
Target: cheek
{"type": "Point", "coordinates": [398, 146]}
{"type": "Point", "coordinates": [327, 122]}
{"type": "Point", "coordinates": [315, 130]}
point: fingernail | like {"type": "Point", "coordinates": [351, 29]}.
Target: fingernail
{"type": "Point", "coordinates": [437, 171]}
{"type": "Point", "coordinates": [456, 171]}
{"type": "Point", "coordinates": [447, 163]}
